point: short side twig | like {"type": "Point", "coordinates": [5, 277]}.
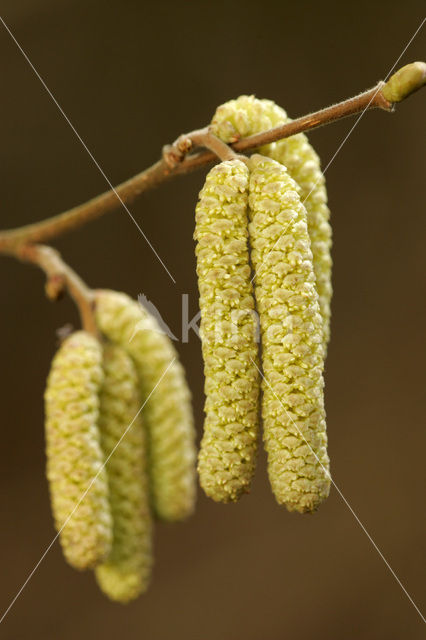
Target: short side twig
{"type": "Point", "coordinates": [174, 154]}
{"type": "Point", "coordinates": [60, 276]}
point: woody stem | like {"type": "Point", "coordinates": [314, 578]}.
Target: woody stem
{"type": "Point", "coordinates": [179, 158]}
{"type": "Point", "coordinates": [60, 276]}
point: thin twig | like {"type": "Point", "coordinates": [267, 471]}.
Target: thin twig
{"type": "Point", "coordinates": [214, 144]}
{"type": "Point", "coordinates": [174, 154]}
{"type": "Point", "coordinates": [60, 276]}
{"type": "Point", "coordinates": [178, 159]}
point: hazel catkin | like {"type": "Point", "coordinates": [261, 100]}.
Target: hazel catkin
{"type": "Point", "coordinates": [248, 115]}
{"type": "Point", "coordinates": [291, 328]}
{"type": "Point", "coordinates": [228, 329]}
{"type": "Point", "coordinates": [126, 572]}
{"type": "Point", "coordinates": [77, 479]}
{"type": "Point", "coordinates": [167, 407]}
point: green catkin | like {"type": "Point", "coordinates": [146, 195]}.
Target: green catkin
{"type": "Point", "coordinates": [291, 329]}
{"type": "Point", "coordinates": [77, 479]}
{"type": "Point", "coordinates": [228, 330]}
{"type": "Point", "coordinates": [246, 116]}
{"type": "Point", "coordinates": [126, 572]}
{"type": "Point", "coordinates": [167, 410]}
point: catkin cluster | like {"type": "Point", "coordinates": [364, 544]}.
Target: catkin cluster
{"type": "Point", "coordinates": [119, 426]}
{"type": "Point", "coordinates": [119, 443]}
{"type": "Point", "coordinates": [248, 115]}
{"type": "Point", "coordinates": [276, 202]}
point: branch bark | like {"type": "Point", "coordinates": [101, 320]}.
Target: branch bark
{"type": "Point", "coordinates": [60, 276]}
{"type": "Point", "coordinates": [179, 158]}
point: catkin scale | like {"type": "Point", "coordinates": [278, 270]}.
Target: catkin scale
{"type": "Point", "coordinates": [167, 407]}
{"type": "Point", "coordinates": [228, 450]}
{"type": "Point", "coordinates": [291, 329]}
{"type": "Point", "coordinates": [77, 479]}
{"type": "Point", "coordinates": [248, 115]}
{"type": "Point", "coordinates": [126, 572]}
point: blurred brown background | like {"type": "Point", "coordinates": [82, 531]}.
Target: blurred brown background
{"type": "Point", "coordinates": [131, 76]}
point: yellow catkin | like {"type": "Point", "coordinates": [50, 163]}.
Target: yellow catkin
{"type": "Point", "coordinates": [246, 116]}
{"type": "Point", "coordinates": [77, 479]}
{"type": "Point", "coordinates": [228, 330]}
{"type": "Point", "coordinates": [291, 328]}
{"type": "Point", "coordinates": [167, 410]}
{"type": "Point", "coordinates": [126, 572]}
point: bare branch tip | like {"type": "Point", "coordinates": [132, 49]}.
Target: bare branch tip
{"type": "Point", "coordinates": [405, 81]}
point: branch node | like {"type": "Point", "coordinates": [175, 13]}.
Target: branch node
{"type": "Point", "coordinates": [207, 139]}
{"type": "Point", "coordinates": [173, 154]}
{"type": "Point", "coordinates": [55, 287]}
{"type": "Point", "coordinates": [61, 276]}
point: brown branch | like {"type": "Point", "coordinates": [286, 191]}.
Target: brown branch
{"type": "Point", "coordinates": [60, 276]}
{"type": "Point", "coordinates": [178, 160]}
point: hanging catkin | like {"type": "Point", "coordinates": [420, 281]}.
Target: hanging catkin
{"type": "Point", "coordinates": [77, 479]}
{"type": "Point", "coordinates": [126, 572]}
{"type": "Point", "coordinates": [246, 116]}
{"type": "Point", "coordinates": [228, 330]}
{"type": "Point", "coordinates": [167, 410]}
{"type": "Point", "coordinates": [291, 329]}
